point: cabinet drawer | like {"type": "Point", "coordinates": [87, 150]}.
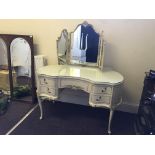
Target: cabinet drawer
{"type": "Point", "coordinates": [47, 81]}
{"type": "Point", "coordinates": [74, 84]}
{"type": "Point", "coordinates": [100, 99]}
{"type": "Point", "coordinates": [47, 91]}
{"type": "Point", "coordinates": [101, 89]}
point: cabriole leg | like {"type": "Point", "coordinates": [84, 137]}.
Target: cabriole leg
{"type": "Point", "coordinates": [110, 119]}
{"type": "Point", "coordinates": [41, 108]}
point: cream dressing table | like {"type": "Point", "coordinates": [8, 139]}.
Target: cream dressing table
{"type": "Point", "coordinates": [102, 85]}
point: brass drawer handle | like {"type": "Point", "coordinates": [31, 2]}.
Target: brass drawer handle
{"type": "Point", "coordinates": [49, 90]}
{"type": "Point", "coordinates": [103, 90]}
{"type": "Point", "coordinates": [45, 81]}
{"type": "Point", "coordinates": [99, 98]}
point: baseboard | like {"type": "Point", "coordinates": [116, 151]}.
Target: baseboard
{"type": "Point", "coordinates": [128, 107]}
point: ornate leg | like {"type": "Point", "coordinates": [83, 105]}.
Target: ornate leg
{"type": "Point", "coordinates": [110, 119]}
{"type": "Point", "coordinates": [41, 108]}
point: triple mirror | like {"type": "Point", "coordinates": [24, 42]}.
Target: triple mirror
{"type": "Point", "coordinates": [84, 46]}
{"type": "Point", "coordinates": [17, 67]}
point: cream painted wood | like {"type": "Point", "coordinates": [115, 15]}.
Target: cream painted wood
{"type": "Point", "coordinates": [74, 84]}
{"type": "Point", "coordinates": [103, 87]}
{"type": "Point", "coordinates": [90, 74]}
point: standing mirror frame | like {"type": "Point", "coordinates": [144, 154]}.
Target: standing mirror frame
{"type": "Point", "coordinates": [28, 39]}
{"type": "Point", "coordinates": [65, 45]}
{"type": "Point", "coordinates": [4, 71]}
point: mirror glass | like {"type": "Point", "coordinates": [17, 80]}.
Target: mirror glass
{"type": "Point", "coordinates": [20, 53]}
{"type": "Point", "coordinates": [62, 47]}
{"type": "Point", "coordinates": [84, 48]}
{"type": "Point", "coordinates": [4, 71]}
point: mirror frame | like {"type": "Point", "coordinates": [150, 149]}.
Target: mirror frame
{"type": "Point", "coordinates": [8, 38]}
{"type": "Point", "coordinates": [100, 56]}
{"type": "Point", "coordinates": [64, 33]}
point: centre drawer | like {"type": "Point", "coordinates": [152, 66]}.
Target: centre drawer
{"type": "Point", "coordinates": [74, 84]}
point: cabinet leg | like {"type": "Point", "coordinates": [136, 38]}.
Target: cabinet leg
{"type": "Point", "coordinates": [110, 119]}
{"type": "Point", "coordinates": [41, 108]}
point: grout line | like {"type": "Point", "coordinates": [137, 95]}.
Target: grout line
{"type": "Point", "coordinates": [17, 124]}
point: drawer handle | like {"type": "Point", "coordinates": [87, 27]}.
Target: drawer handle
{"type": "Point", "coordinates": [98, 99]}
{"type": "Point", "coordinates": [45, 81]}
{"type": "Point", "coordinates": [49, 90]}
{"type": "Point", "coordinates": [103, 90]}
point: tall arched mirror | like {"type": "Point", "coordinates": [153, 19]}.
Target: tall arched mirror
{"type": "Point", "coordinates": [20, 53]}
{"type": "Point", "coordinates": [21, 67]}
{"type": "Point", "coordinates": [4, 71]}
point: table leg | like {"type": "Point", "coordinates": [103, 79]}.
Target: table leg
{"type": "Point", "coordinates": [41, 108]}
{"type": "Point", "coordinates": [110, 119]}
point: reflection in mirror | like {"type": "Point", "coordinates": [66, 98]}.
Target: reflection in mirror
{"type": "Point", "coordinates": [84, 45]}
{"type": "Point", "coordinates": [20, 53]}
{"type": "Point", "coordinates": [62, 47]}
{"type": "Point", "coordinates": [4, 72]}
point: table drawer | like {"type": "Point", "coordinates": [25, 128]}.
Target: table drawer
{"type": "Point", "coordinates": [100, 99]}
{"type": "Point", "coordinates": [74, 84]}
{"type": "Point", "coordinates": [101, 89]}
{"type": "Point", "coordinates": [47, 81]}
{"type": "Point", "coordinates": [47, 91]}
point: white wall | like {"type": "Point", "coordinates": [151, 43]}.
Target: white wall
{"type": "Point", "coordinates": [45, 32]}
{"type": "Point", "coordinates": [130, 49]}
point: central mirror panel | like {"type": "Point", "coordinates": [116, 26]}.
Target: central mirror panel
{"type": "Point", "coordinates": [84, 46]}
